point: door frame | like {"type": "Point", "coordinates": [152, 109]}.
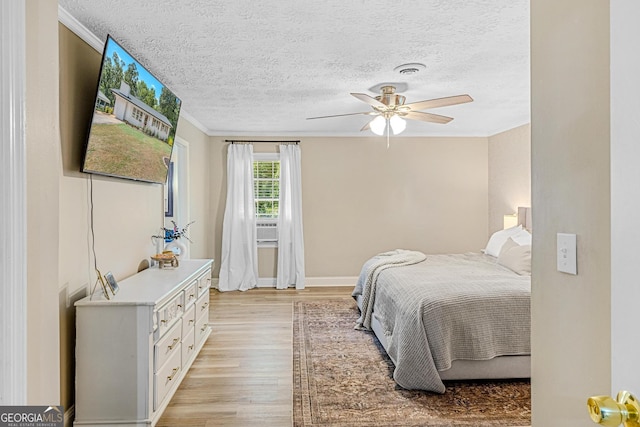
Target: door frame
{"type": "Point", "coordinates": [13, 209]}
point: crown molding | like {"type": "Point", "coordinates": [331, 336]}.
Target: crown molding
{"type": "Point", "coordinates": [66, 19]}
{"type": "Point", "coordinates": [188, 117]}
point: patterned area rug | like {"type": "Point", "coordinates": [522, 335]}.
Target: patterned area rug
{"type": "Point", "coordinates": [343, 378]}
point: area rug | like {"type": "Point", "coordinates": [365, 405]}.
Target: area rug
{"type": "Point", "coordinates": [343, 378]}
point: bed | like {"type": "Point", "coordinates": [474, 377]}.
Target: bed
{"type": "Point", "coordinates": [452, 317]}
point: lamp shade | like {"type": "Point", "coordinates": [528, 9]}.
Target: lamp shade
{"type": "Point", "coordinates": [377, 125]}
{"type": "Point", "coordinates": [398, 124]}
{"type": "Point", "coordinates": [510, 220]}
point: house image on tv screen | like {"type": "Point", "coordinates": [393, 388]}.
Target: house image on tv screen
{"type": "Point", "coordinates": [132, 110]}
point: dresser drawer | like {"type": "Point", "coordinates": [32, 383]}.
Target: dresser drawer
{"type": "Point", "coordinates": [189, 320]}
{"type": "Point", "coordinates": [202, 318]}
{"type": "Point", "coordinates": [167, 346]}
{"type": "Point", "coordinates": [188, 347]}
{"type": "Point", "coordinates": [204, 283]}
{"type": "Point", "coordinates": [202, 306]}
{"type": "Point", "coordinates": [169, 313]}
{"type": "Point", "coordinates": [202, 328]}
{"type": "Point", "coordinates": [167, 377]}
{"type": "Point", "coordinates": [191, 293]}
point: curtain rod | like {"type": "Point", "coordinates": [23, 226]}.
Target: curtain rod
{"type": "Point", "coordinates": [233, 141]}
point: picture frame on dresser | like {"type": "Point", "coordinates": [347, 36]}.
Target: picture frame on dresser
{"type": "Point", "coordinates": [103, 285]}
{"type": "Point", "coordinates": [111, 281]}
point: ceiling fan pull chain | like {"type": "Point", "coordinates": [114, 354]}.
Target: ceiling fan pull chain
{"type": "Point", "coordinates": [388, 125]}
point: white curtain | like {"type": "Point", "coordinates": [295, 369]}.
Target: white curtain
{"type": "Point", "coordinates": [239, 263]}
{"type": "Point", "coordinates": [290, 238]}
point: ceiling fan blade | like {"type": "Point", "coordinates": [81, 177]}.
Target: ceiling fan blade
{"type": "Point", "coordinates": [427, 117]}
{"type": "Point", "coordinates": [369, 100]}
{"type": "Point", "coordinates": [339, 115]}
{"type": "Point", "coordinates": [439, 102]}
{"type": "Point", "coordinates": [366, 127]}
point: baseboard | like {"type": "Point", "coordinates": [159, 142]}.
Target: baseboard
{"type": "Point", "coordinates": [264, 282]}
{"type": "Point", "coordinates": [267, 282]}
{"type": "Point", "coordinates": [270, 282]}
{"type": "Point", "coordinates": [69, 416]}
{"type": "Point", "coordinates": [331, 281]}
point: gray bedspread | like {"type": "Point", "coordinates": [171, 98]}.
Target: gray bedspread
{"type": "Point", "coordinates": [450, 307]}
{"type": "Point", "coordinates": [366, 285]}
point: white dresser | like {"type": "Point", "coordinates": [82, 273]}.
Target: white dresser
{"type": "Point", "coordinates": [133, 351]}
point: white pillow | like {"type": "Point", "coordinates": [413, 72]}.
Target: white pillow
{"type": "Point", "coordinates": [498, 238]}
{"type": "Point", "coordinates": [523, 237]}
{"type": "Point", "coordinates": [516, 257]}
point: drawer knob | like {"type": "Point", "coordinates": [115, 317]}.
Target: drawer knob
{"type": "Point", "coordinates": [175, 340]}
{"type": "Point", "coordinates": [163, 321]}
{"type": "Point", "coordinates": [179, 305]}
{"type": "Point", "coordinates": [173, 373]}
{"type": "Point", "coordinates": [191, 347]}
{"type": "Point", "coordinates": [205, 305]}
{"type": "Point", "coordinates": [190, 321]}
{"type": "Point", "coordinates": [203, 328]}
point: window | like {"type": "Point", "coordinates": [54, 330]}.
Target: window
{"type": "Point", "coordinates": [266, 188]}
{"type": "Point", "coordinates": [137, 114]}
{"type": "Point", "coordinates": [266, 185]}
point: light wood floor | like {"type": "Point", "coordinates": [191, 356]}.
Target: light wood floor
{"type": "Point", "coordinates": [243, 374]}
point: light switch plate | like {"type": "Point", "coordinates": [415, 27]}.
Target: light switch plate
{"type": "Point", "coordinates": [567, 257]}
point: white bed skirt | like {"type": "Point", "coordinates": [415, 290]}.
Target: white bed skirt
{"type": "Point", "coordinates": [501, 367]}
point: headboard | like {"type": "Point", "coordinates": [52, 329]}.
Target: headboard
{"type": "Point", "coordinates": [524, 218]}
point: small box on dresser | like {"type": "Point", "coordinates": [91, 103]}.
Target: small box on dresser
{"type": "Point", "coordinates": [133, 351]}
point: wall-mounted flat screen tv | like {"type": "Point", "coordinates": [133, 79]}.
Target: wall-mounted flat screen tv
{"type": "Point", "coordinates": [134, 121]}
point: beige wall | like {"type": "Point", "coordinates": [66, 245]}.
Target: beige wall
{"type": "Point", "coordinates": [509, 174]}
{"type": "Point", "coordinates": [43, 168]}
{"type": "Point", "coordinates": [571, 348]}
{"type": "Point", "coordinates": [199, 182]}
{"type": "Point", "coordinates": [126, 213]}
{"type": "Point", "coordinates": [360, 198]}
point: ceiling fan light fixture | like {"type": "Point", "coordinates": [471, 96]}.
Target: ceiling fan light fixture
{"type": "Point", "coordinates": [377, 125]}
{"type": "Point", "coordinates": [398, 124]}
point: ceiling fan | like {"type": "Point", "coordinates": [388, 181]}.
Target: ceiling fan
{"type": "Point", "coordinates": [390, 110]}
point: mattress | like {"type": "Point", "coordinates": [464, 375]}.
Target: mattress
{"type": "Point", "coordinates": [452, 317]}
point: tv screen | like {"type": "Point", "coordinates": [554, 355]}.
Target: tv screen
{"type": "Point", "coordinates": [134, 121]}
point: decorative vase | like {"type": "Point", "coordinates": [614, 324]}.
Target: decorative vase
{"type": "Point", "coordinates": [177, 247]}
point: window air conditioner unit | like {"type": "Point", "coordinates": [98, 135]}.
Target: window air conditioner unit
{"type": "Point", "coordinates": [267, 232]}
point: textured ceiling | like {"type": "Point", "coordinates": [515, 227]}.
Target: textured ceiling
{"type": "Point", "coordinates": [261, 67]}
